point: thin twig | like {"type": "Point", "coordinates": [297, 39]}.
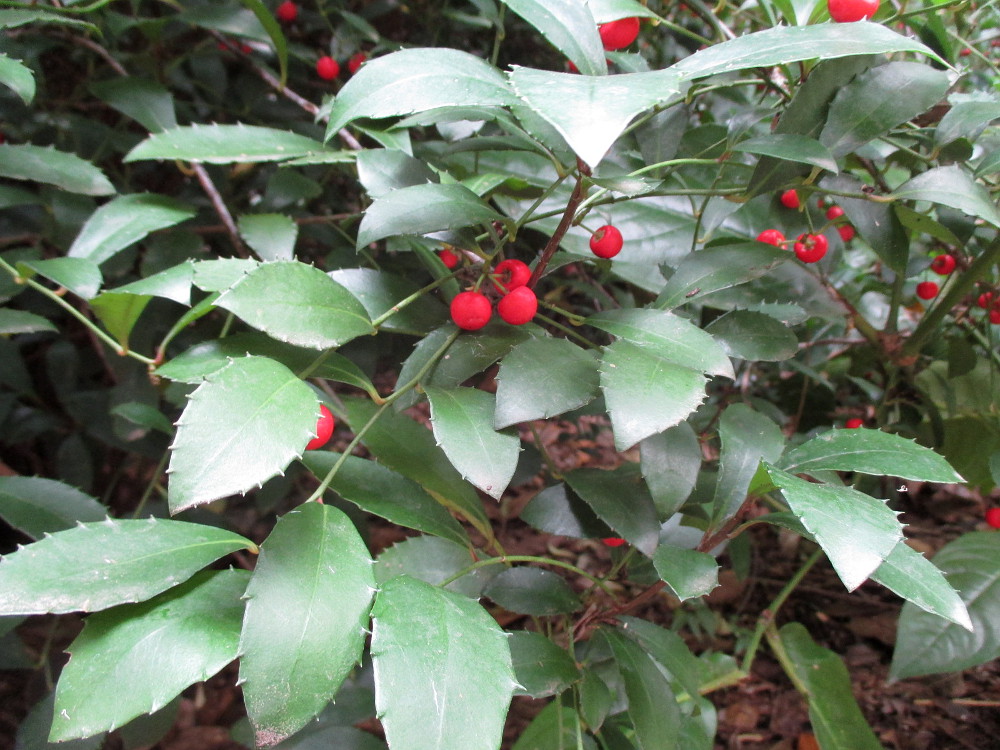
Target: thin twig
{"type": "Point", "coordinates": [220, 208]}
{"type": "Point", "coordinates": [564, 223]}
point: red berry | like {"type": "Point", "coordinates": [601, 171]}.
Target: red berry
{"type": "Point", "coordinates": [606, 242]}
{"type": "Point", "coordinates": [809, 248]}
{"type": "Point", "coordinates": [471, 310]}
{"type": "Point", "coordinates": [619, 34]}
{"type": "Point", "coordinates": [943, 264]}
{"type": "Point", "coordinates": [834, 212]}
{"type": "Point", "coordinates": [616, 541]}
{"type": "Point", "coordinates": [993, 518]}
{"type": "Point", "coordinates": [854, 423]}
{"type": "Point", "coordinates": [965, 52]}
{"type": "Point", "coordinates": [511, 274]}
{"type": "Point", "coordinates": [327, 68]}
{"type": "Point", "coordinates": [846, 232]}
{"type": "Point", "coordinates": [771, 237]}
{"type": "Point", "coordinates": [287, 11]}
{"type": "Point", "coordinates": [356, 61]}
{"type": "Point", "coordinates": [324, 429]}
{"type": "Point", "coordinates": [789, 199]}
{"type": "Point", "coordinates": [927, 290]}
{"type": "Point", "coordinates": [518, 306]}
{"type": "Point", "coordinates": [846, 11]}
{"type": "Point", "coordinates": [995, 317]}
{"type": "Point", "coordinates": [985, 300]}
{"type": "Point", "coordinates": [448, 257]}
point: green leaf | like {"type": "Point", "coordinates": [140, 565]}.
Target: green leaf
{"type": "Point", "coordinates": [134, 659]}
{"type": "Point", "coordinates": [18, 78]}
{"type": "Point", "coordinates": [790, 147]}
{"type": "Point", "coordinates": [712, 269]}
{"type": "Point", "coordinates": [173, 283]}
{"type": "Point", "coordinates": [382, 170]}
{"type": "Point", "coordinates": [124, 221]}
{"type": "Point", "coordinates": [620, 498]}
{"type": "Point", "coordinates": [950, 186]}
{"type": "Point", "coordinates": [273, 29]}
{"type": "Point", "coordinates": [645, 393]}
{"type": "Point", "coordinates": [462, 419]}
{"type": "Point", "coordinates": [687, 572]}
{"type": "Point", "coordinates": [532, 591]}
{"type": "Point", "coordinates": [434, 560]}
{"type": "Point", "coordinates": [912, 576]}
{"type": "Point", "coordinates": [421, 209]}
{"type": "Point", "coordinates": [381, 491]}
{"type": "Point", "coordinates": [10, 19]}
{"type": "Point", "coordinates": [544, 377]}
{"type": "Point", "coordinates": [556, 511]}
{"type": "Point", "coordinates": [669, 649]}
{"type": "Point", "coordinates": [555, 726]}
{"type": "Point", "coordinates": [378, 292]}
{"type": "Point", "coordinates": [540, 666]}
{"type": "Point", "coordinates": [271, 236]}
{"type": "Point", "coordinates": [603, 106]}
{"type": "Point", "coordinates": [224, 144]}
{"type": "Point", "coordinates": [928, 644]}
{"type": "Point", "coordinates": [784, 45]}
{"type": "Point", "coordinates": [876, 223]}
{"type": "Point", "coordinates": [219, 275]}
{"type": "Point", "coordinates": [20, 321]}
{"type": "Point", "coordinates": [443, 674]}
{"type": "Point", "coordinates": [80, 276]}
{"type": "Point", "coordinates": [836, 719]}
{"type": "Point", "coordinates": [417, 80]}
{"type": "Point", "coordinates": [878, 100]}
{"type": "Point", "coordinates": [33, 732]}
{"type": "Point", "coordinates": [857, 532]}
{"type": "Point", "coordinates": [753, 336]}
{"type": "Point", "coordinates": [242, 426]}
{"type": "Point", "coordinates": [46, 165]}
{"type": "Point", "coordinates": [670, 463]}
{"type": "Point", "coordinates": [968, 116]}
{"type": "Point", "coordinates": [133, 560]}
{"type": "Point", "coordinates": [142, 99]}
{"type": "Point", "coordinates": [870, 452]}
{"type": "Point", "coordinates": [304, 629]}
{"type": "Point", "coordinates": [569, 27]}
{"type": "Point", "coordinates": [119, 313]}
{"type": "Point", "coordinates": [143, 415]}
{"type": "Point", "coordinates": [36, 506]}
{"type": "Point", "coordinates": [297, 304]}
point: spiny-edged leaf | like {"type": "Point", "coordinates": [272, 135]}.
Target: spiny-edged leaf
{"type": "Point", "coordinates": [78, 275]}
{"type": "Point", "coordinates": [667, 336]}
{"type": "Point", "coordinates": [753, 336]}
{"type": "Point", "coordinates": [532, 591]}
{"type": "Point", "coordinates": [224, 144]}
{"type": "Point", "coordinates": [434, 560]}
{"type": "Point", "coordinates": [417, 80]}
{"type": "Point", "coordinates": [646, 394]}
{"type": "Point", "coordinates": [33, 732]}
{"type": "Point", "coordinates": [619, 497]}
{"type": "Point", "coordinates": [833, 711]}
{"type": "Point", "coordinates": [18, 78]}
{"type": "Point", "coordinates": [443, 674]}
{"type": "Point", "coordinates": [143, 99]}
{"type": "Point", "coordinates": [182, 636]}
{"type": "Point", "coordinates": [569, 27]}
{"type": "Point", "coordinates": [12, 18]}
{"type": "Point", "coordinates": [670, 462]}
{"type": "Point", "coordinates": [949, 186]}
{"type": "Point", "coordinates": [603, 106]}
{"type": "Point", "coordinates": [687, 572]}
{"type": "Point", "coordinates": [556, 511]}
{"type": "Point", "coordinates": [21, 321]}
{"type": "Point", "coordinates": [669, 649]}
{"type": "Point", "coordinates": [64, 170]}
{"type": "Point", "coordinates": [716, 268]}
{"type": "Point", "coordinates": [913, 577]}
{"type": "Point", "coordinates": [879, 100]}
{"type": "Point", "coordinates": [271, 236]}
{"type": "Point", "coordinates": [376, 489]}
{"type": "Point", "coordinates": [218, 275]}
{"type": "Point", "coordinates": [132, 561]}
{"type": "Point", "coordinates": [36, 506]}
{"type": "Point", "coordinates": [379, 291]}
{"type": "Point", "coordinates": [790, 147]}
{"type": "Point", "coordinates": [870, 452]}
{"type": "Point", "coordinates": [241, 427]}
{"type": "Point", "coordinates": [651, 704]}
{"type": "Point", "coordinates": [857, 532]}
{"type": "Point", "coordinates": [543, 377]}
{"type": "Point", "coordinates": [408, 448]}
{"type": "Point", "coordinates": [928, 644]}
{"type": "Point", "coordinates": [304, 629]}
{"type": "Point", "coordinates": [462, 419]}
{"type": "Point", "coordinates": [421, 209]}
{"type": "Point", "coordinates": [781, 45]}
{"type": "Point", "coordinates": [298, 304]}
{"type": "Point", "coordinates": [173, 283]}
{"type": "Point", "coordinates": [540, 666]}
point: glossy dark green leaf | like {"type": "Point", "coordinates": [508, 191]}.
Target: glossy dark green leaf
{"type": "Point", "coordinates": [434, 560]}
{"type": "Point", "coordinates": [791, 147]}
{"type": "Point", "coordinates": [951, 186]}
{"type": "Point", "coordinates": [155, 650]}
{"type": "Point", "coordinates": [619, 497]}
{"type": "Point", "coordinates": [712, 269]}
{"type": "Point", "coordinates": [556, 511]}
{"type": "Point", "coordinates": [383, 170]}
{"type": "Point", "coordinates": [119, 313]}
{"type": "Point", "coordinates": [270, 236]}
{"type": "Point", "coordinates": [142, 99]}
{"type": "Point", "coordinates": [376, 489]}
{"type": "Point", "coordinates": [555, 727]}
{"type": "Point", "coordinates": [218, 275]}
{"type": "Point", "coordinates": [688, 573]}
{"type": "Point", "coordinates": [421, 209]}
{"type": "Point", "coordinates": [569, 27]}
{"type": "Point", "coordinates": [876, 223]}
{"type": "Point", "coordinates": [462, 419]}
{"type": "Point", "coordinates": [928, 644]}
{"type": "Point", "coordinates": [834, 714]}
{"type": "Point", "coordinates": [173, 283]}
{"type": "Point", "coordinates": [670, 463]}
{"type": "Point", "coordinates": [33, 732]}
{"type": "Point", "coordinates": [379, 292]}
{"type": "Point", "coordinates": [266, 17]}
{"type": "Point", "coordinates": [541, 667]}
{"type": "Point", "coordinates": [297, 304]}
{"type": "Point", "coordinates": [133, 561]}
{"type": "Point", "coordinates": [36, 505]}
{"type": "Point", "coordinates": [753, 336]}
{"type": "Point", "coordinates": [968, 116]}
{"type": "Point", "coordinates": [912, 576]}
{"type": "Point", "coordinates": [224, 144]}
{"type": "Point", "coordinates": [304, 629]}
{"type": "Point", "coordinates": [21, 321]}
{"type": "Point", "coordinates": [18, 78]}
{"type": "Point", "coordinates": [532, 591]}
{"type": "Point", "coordinates": [443, 674]}
{"type": "Point", "coordinates": [241, 427]}
{"type": "Point", "coordinates": [143, 415]}
{"type": "Point", "coordinates": [870, 452]}
{"type": "Point", "coordinates": [543, 377]}
{"type": "Point", "coordinates": [46, 165]}
{"type": "Point", "coordinates": [669, 649]}
{"type": "Point", "coordinates": [80, 276]}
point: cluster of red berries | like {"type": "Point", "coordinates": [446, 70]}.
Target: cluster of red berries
{"type": "Point", "coordinates": [472, 310]}
{"type": "Point", "coordinates": [990, 301]}
{"type": "Point", "coordinates": [809, 248]}
{"type": "Point", "coordinates": [847, 11]}
{"type": "Point", "coordinates": [326, 67]}
{"type": "Point", "coordinates": [324, 429]}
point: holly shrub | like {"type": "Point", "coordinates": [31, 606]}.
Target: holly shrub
{"type": "Point", "coordinates": [203, 239]}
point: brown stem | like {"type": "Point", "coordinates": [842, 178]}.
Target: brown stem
{"type": "Point", "coordinates": [564, 223]}
{"type": "Point", "coordinates": [220, 208]}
